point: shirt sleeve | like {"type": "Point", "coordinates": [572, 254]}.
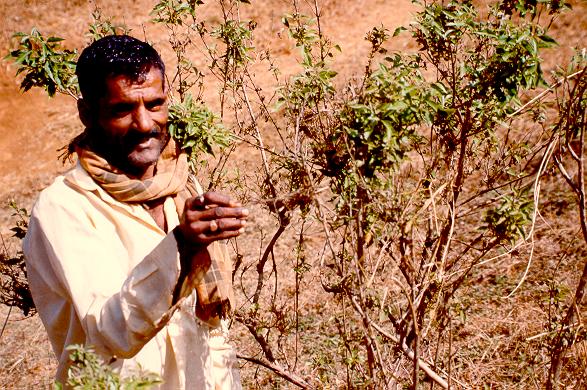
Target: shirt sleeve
{"type": "Point", "coordinates": [72, 262]}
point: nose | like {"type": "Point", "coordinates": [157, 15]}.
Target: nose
{"type": "Point", "coordinates": [142, 119]}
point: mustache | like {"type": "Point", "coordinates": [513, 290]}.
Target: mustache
{"type": "Point", "coordinates": [136, 137]}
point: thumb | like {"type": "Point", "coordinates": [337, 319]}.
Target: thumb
{"type": "Point", "coordinates": [195, 203]}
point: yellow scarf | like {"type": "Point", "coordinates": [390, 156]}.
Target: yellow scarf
{"type": "Point", "coordinates": [213, 284]}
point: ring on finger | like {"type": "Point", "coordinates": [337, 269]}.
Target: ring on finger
{"type": "Point", "coordinates": [213, 226]}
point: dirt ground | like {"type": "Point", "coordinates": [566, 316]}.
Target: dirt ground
{"type": "Point", "coordinates": [33, 127]}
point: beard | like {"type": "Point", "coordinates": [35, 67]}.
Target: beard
{"type": "Point", "coordinates": [134, 152]}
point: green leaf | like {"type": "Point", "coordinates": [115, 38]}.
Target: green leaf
{"type": "Point", "coordinates": [398, 31]}
{"type": "Point", "coordinates": [548, 39]}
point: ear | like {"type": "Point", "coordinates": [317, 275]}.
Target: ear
{"type": "Point", "coordinates": [86, 114]}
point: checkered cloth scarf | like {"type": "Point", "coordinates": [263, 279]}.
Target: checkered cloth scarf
{"type": "Point", "coordinates": [213, 284]}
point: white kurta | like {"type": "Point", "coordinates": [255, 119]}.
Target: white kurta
{"type": "Point", "coordinates": [102, 273]}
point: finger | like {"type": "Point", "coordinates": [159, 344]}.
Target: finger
{"type": "Point", "coordinates": [217, 226]}
{"type": "Point", "coordinates": [195, 203]}
{"type": "Point", "coordinates": [228, 224]}
{"type": "Point", "coordinates": [213, 226]}
{"type": "Point", "coordinates": [206, 239]}
{"type": "Point", "coordinates": [220, 199]}
{"type": "Point", "coordinates": [220, 213]}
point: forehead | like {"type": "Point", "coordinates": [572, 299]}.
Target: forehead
{"type": "Point", "coordinates": [123, 87]}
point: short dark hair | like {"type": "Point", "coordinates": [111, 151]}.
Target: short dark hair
{"type": "Point", "coordinates": [114, 55]}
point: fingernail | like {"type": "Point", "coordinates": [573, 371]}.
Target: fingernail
{"type": "Point", "coordinates": [245, 212]}
{"type": "Point", "coordinates": [243, 223]}
{"type": "Point", "coordinates": [241, 230]}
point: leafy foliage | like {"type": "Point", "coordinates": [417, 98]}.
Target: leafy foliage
{"type": "Point", "coordinates": [235, 36]}
{"type": "Point", "coordinates": [89, 372]}
{"type": "Point", "coordinates": [104, 26]}
{"type": "Point", "coordinates": [196, 128]}
{"type": "Point", "coordinates": [45, 63]}
{"type": "Point", "coordinates": [508, 220]}
{"type": "Point", "coordinates": [174, 12]}
{"type": "Point", "coordinates": [381, 123]}
{"type": "Point", "coordinates": [14, 288]}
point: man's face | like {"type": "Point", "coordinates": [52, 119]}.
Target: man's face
{"type": "Point", "coordinates": [132, 118]}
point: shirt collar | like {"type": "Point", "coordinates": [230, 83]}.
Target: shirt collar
{"type": "Point", "coordinates": [80, 178]}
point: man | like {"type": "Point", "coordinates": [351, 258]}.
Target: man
{"type": "Point", "coordinates": [123, 251]}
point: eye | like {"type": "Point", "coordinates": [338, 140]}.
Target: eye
{"type": "Point", "coordinates": [155, 105]}
{"type": "Point", "coordinates": [121, 109]}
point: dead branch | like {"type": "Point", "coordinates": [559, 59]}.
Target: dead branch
{"type": "Point", "coordinates": [276, 368]}
{"type": "Point", "coordinates": [405, 349]}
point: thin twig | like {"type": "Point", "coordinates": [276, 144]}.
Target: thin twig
{"type": "Point", "coordinates": [543, 165]}
{"type": "Point", "coordinates": [5, 321]}
{"type": "Point", "coordinates": [543, 334]}
{"type": "Point", "coordinates": [276, 368]}
{"type": "Point", "coordinates": [405, 349]}
{"type": "Point", "coordinates": [543, 93]}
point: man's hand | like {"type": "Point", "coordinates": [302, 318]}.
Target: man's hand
{"type": "Point", "coordinates": [211, 217]}
{"type": "Point", "coordinates": [207, 218]}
